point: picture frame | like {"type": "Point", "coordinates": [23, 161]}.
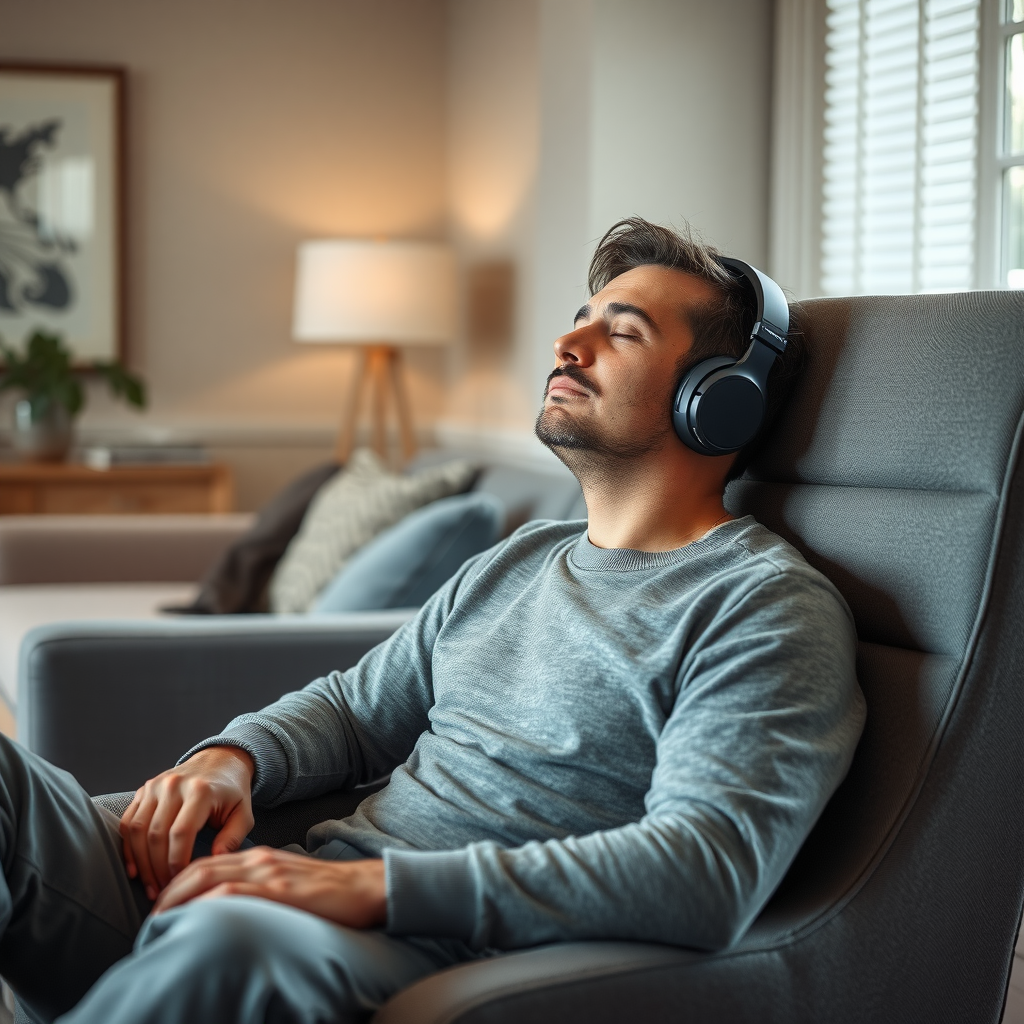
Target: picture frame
{"type": "Point", "coordinates": [62, 188]}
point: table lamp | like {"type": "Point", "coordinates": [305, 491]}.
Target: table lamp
{"type": "Point", "coordinates": [380, 296]}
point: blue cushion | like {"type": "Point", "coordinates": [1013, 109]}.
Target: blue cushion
{"type": "Point", "coordinates": [404, 565]}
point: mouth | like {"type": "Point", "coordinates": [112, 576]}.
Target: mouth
{"type": "Point", "coordinates": [562, 387]}
{"type": "Point", "coordinates": [565, 382]}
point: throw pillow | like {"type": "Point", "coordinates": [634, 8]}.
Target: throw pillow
{"type": "Point", "coordinates": [349, 511]}
{"type": "Point", "coordinates": [238, 580]}
{"type": "Point", "coordinates": [404, 565]}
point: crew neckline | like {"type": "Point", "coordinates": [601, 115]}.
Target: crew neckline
{"type": "Point", "coordinates": [585, 555]}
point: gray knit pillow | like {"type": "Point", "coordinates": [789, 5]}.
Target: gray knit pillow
{"type": "Point", "coordinates": [347, 512]}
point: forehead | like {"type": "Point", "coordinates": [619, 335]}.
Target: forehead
{"type": "Point", "coordinates": [660, 291]}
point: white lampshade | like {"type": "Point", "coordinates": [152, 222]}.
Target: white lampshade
{"type": "Point", "coordinates": [400, 293]}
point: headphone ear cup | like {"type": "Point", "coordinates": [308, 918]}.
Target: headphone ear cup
{"type": "Point", "coordinates": [728, 412]}
{"type": "Point", "coordinates": [684, 399]}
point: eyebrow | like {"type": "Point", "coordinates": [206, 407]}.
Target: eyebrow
{"type": "Point", "coordinates": [626, 307]}
{"type": "Point", "coordinates": [617, 307]}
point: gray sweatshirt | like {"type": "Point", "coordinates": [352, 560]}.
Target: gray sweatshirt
{"type": "Point", "coordinates": [584, 743]}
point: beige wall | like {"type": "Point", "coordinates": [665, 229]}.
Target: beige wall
{"type": "Point", "coordinates": [566, 115]}
{"type": "Point", "coordinates": [686, 133]}
{"type": "Point", "coordinates": [493, 137]}
{"type": "Point", "coordinates": [253, 125]}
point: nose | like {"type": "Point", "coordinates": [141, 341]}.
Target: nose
{"type": "Point", "coordinates": [577, 346]}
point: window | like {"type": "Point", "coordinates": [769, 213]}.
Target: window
{"type": "Point", "coordinates": [1011, 145]}
{"type": "Point", "coordinates": [900, 158]}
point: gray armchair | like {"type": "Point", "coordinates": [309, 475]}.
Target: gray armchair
{"type": "Point", "coordinates": [896, 470]}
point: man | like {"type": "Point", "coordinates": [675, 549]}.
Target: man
{"type": "Point", "coordinates": [622, 729]}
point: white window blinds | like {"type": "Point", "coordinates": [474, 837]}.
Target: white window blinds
{"type": "Point", "coordinates": [900, 149]}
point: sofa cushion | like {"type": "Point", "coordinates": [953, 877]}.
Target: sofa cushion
{"type": "Point", "coordinates": [404, 565]}
{"type": "Point", "coordinates": [238, 580]}
{"type": "Point", "coordinates": [531, 494]}
{"type": "Point", "coordinates": [347, 512]}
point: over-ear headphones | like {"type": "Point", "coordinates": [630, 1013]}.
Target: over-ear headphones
{"type": "Point", "coordinates": [720, 404]}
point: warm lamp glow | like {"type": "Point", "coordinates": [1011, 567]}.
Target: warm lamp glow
{"type": "Point", "coordinates": [394, 293]}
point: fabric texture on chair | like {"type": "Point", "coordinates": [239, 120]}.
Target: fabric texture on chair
{"type": "Point", "coordinates": [404, 565]}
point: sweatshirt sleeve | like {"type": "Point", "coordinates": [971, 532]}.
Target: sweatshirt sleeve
{"type": "Point", "coordinates": [348, 728]}
{"type": "Point", "coordinates": [767, 715]}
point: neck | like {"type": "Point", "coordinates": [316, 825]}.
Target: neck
{"type": "Point", "coordinates": [654, 502]}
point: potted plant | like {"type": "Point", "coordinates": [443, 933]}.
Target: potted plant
{"type": "Point", "coordinates": [53, 393]}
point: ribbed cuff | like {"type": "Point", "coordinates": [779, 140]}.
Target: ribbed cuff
{"type": "Point", "coordinates": [430, 893]}
{"type": "Point", "coordinates": [266, 752]}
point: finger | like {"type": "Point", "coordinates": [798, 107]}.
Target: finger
{"type": "Point", "coordinates": [126, 846]}
{"type": "Point", "coordinates": [157, 839]}
{"type": "Point", "coordinates": [193, 815]}
{"type": "Point", "coordinates": [237, 889]}
{"type": "Point", "coordinates": [236, 828]}
{"type": "Point", "coordinates": [129, 811]}
{"type": "Point", "coordinates": [199, 877]}
{"type": "Point", "coordinates": [138, 829]}
{"type": "Point", "coordinates": [129, 861]}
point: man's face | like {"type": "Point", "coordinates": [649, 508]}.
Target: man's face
{"type": "Point", "coordinates": [610, 393]}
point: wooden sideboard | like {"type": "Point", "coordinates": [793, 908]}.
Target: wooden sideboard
{"type": "Point", "coordinates": [71, 488]}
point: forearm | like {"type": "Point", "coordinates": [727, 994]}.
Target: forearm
{"type": "Point", "coordinates": [662, 880]}
{"type": "Point", "coordinates": [346, 729]}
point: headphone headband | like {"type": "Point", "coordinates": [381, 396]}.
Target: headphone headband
{"type": "Point", "coordinates": [772, 321]}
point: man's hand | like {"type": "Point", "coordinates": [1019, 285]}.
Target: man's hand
{"type": "Point", "coordinates": [161, 823]}
{"type": "Point", "coordinates": [351, 893]}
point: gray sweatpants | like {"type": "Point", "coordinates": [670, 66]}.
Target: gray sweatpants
{"type": "Point", "coordinates": [75, 938]}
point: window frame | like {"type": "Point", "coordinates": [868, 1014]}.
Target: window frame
{"type": "Point", "coordinates": [993, 161]}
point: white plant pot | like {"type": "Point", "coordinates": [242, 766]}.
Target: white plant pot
{"type": "Point", "coordinates": [42, 434]}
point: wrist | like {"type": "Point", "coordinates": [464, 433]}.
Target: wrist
{"type": "Point", "coordinates": [227, 754]}
{"type": "Point", "coordinates": [364, 893]}
{"type": "Point", "coordinates": [377, 893]}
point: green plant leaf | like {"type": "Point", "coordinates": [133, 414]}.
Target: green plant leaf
{"type": "Point", "coordinates": [46, 374]}
{"type": "Point", "coordinates": [123, 384]}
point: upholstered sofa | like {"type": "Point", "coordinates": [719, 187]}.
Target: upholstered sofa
{"type": "Point", "coordinates": [113, 691]}
{"type": "Point", "coordinates": [56, 567]}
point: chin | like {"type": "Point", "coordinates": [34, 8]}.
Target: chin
{"type": "Point", "coordinates": [569, 439]}
{"type": "Point", "coordinates": [556, 428]}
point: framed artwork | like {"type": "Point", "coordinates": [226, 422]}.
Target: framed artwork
{"type": "Point", "coordinates": [62, 206]}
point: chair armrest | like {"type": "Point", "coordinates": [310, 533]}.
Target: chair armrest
{"type": "Point", "coordinates": [117, 702]}
{"type": "Point", "coordinates": [561, 984]}
{"type": "Point", "coordinates": [114, 549]}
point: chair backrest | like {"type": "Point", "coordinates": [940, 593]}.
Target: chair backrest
{"type": "Point", "coordinates": [895, 471]}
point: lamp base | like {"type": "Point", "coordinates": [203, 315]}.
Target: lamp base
{"type": "Point", "coordinates": [379, 372]}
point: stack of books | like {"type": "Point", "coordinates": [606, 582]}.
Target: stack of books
{"type": "Point", "coordinates": [107, 456]}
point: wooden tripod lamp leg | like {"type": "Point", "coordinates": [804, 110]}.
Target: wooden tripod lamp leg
{"type": "Point", "coordinates": [378, 371]}
{"type": "Point", "coordinates": [402, 407]}
{"type": "Point", "coordinates": [350, 419]}
{"type": "Point", "coordinates": [379, 357]}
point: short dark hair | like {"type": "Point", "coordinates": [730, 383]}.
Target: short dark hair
{"type": "Point", "coordinates": [719, 328]}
